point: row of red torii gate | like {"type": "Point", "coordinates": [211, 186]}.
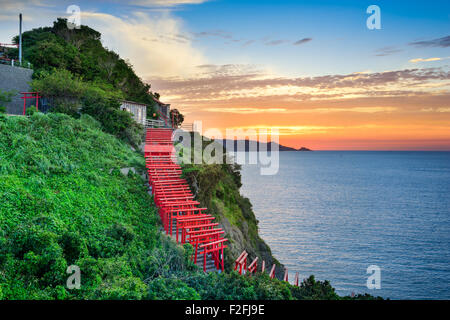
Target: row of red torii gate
{"type": "Point", "coordinates": [181, 216]}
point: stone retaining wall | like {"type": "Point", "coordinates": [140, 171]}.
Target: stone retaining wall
{"type": "Point", "coordinates": [15, 78]}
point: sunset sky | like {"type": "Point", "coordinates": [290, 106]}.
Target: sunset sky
{"type": "Point", "coordinates": [310, 68]}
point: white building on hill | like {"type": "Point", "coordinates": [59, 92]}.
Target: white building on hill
{"type": "Point", "coordinates": [138, 110]}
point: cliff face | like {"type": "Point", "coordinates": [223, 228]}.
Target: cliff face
{"type": "Point", "coordinates": [216, 186]}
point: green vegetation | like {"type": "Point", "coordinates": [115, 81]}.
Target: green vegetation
{"type": "Point", "coordinates": [65, 201]}
{"type": "Point", "coordinates": [176, 117]}
{"type": "Point", "coordinates": [81, 52]}
{"type": "Point", "coordinates": [70, 95]}
{"type": "Point", "coordinates": [79, 76]}
{"type": "Point", "coordinates": [5, 97]}
{"type": "Point", "coordinates": [30, 110]}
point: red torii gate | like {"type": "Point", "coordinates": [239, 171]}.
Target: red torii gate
{"type": "Point", "coordinates": [197, 227]}
{"type": "Point", "coordinates": [241, 262]}
{"type": "Point", "coordinates": [216, 250]}
{"type": "Point", "coordinates": [183, 223]}
{"type": "Point", "coordinates": [175, 201]}
{"type": "Point", "coordinates": [30, 95]}
{"type": "Point", "coordinates": [207, 236]}
{"type": "Point", "coordinates": [169, 217]}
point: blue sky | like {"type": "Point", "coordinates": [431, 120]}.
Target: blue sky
{"type": "Point", "coordinates": [262, 33]}
{"type": "Point", "coordinates": [340, 40]}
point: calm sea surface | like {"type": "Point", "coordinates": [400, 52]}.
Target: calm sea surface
{"type": "Point", "coordinates": [332, 214]}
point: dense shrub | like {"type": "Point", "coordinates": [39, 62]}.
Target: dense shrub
{"type": "Point", "coordinates": [62, 88]}
{"type": "Point", "coordinates": [70, 95]}
{"type": "Point", "coordinates": [171, 289]}
{"type": "Point", "coordinates": [81, 52]}
{"type": "Point", "coordinates": [78, 75]}
{"type": "Point", "coordinates": [176, 117]}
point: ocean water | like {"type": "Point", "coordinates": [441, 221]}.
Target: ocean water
{"type": "Point", "coordinates": [333, 214]}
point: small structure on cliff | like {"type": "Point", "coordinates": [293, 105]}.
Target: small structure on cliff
{"type": "Point", "coordinates": [138, 110]}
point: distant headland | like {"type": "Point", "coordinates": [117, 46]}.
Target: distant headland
{"type": "Point", "coordinates": [244, 145]}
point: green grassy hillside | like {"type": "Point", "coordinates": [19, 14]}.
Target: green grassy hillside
{"type": "Point", "coordinates": [64, 201]}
